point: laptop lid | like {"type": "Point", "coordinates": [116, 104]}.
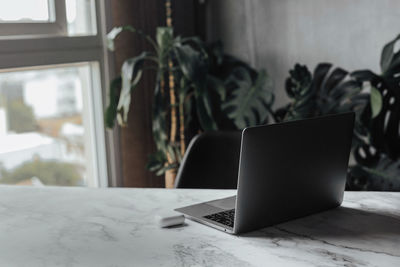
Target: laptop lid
{"type": "Point", "coordinates": [292, 169]}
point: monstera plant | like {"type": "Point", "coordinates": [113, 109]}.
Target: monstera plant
{"type": "Point", "coordinates": [194, 83]}
{"type": "Point", "coordinates": [374, 97]}
{"type": "Point", "coordinates": [324, 92]}
{"type": "Point", "coordinates": [378, 153]}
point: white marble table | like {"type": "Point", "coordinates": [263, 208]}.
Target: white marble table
{"type": "Point", "coordinates": [115, 227]}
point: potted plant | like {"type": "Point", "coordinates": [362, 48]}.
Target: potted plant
{"type": "Point", "coordinates": [195, 82]}
{"type": "Point", "coordinates": [374, 97]}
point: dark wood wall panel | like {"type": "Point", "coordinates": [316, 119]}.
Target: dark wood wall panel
{"type": "Point", "coordinates": [136, 139]}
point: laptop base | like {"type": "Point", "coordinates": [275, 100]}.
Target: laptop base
{"type": "Point", "coordinates": [198, 212]}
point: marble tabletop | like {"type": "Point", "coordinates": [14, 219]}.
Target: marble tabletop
{"type": "Point", "coordinates": [56, 226]}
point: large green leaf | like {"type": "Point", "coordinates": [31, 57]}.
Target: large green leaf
{"type": "Point", "coordinates": [156, 161]}
{"type": "Point", "coordinates": [329, 92]}
{"type": "Point", "coordinates": [192, 64]}
{"type": "Point", "coordinates": [382, 117]}
{"type": "Point", "coordinates": [249, 102]}
{"type": "Point", "coordinates": [378, 147]}
{"type": "Point", "coordinates": [388, 56]}
{"type": "Point", "coordinates": [217, 52]}
{"type": "Point", "coordinates": [337, 92]}
{"type": "Point", "coordinates": [332, 81]}
{"type": "Point", "coordinates": [298, 88]}
{"type": "Point", "coordinates": [111, 111]}
{"type": "Point", "coordinates": [164, 35]}
{"type": "Point", "coordinates": [195, 42]}
{"type": "Point", "coordinates": [376, 102]}
{"type": "Point", "coordinates": [384, 176]}
{"type": "Point", "coordinates": [111, 37]}
{"type": "Point", "coordinates": [365, 76]}
{"type": "Point", "coordinates": [159, 125]}
{"type": "Point", "coordinates": [376, 140]}
{"type": "Point", "coordinates": [117, 30]}
{"type": "Point", "coordinates": [164, 38]}
{"type": "Point", "coordinates": [131, 72]}
{"type": "Point", "coordinates": [204, 110]}
{"type": "Point", "coordinates": [299, 81]}
{"type": "Point", "coordinates": [217, 85]}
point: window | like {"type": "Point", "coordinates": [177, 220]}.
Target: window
{"type": "Point", "coordinates": [37, 17]}
{"type": "Point", "coordinates": [52, 77]}
{"type": "Point", "coordinates": [34, 10]}
{"type": "Point", "coordinates": [56, 17]}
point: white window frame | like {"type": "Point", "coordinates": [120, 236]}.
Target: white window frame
{"type": "Point", "coordinates": [45, 50]}
{"type": "Point", "coordinates": [57, 24]}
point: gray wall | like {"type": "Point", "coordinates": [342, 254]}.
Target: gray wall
{"type": "Point", "coordinates": [276, 34]}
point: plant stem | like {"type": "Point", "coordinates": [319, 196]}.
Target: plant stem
{"type": "Point", "coordinates": [162, 84]}
{"type": "Point", "coordinates": [172, 99]}
{"type": "Point", "coordinates": [181, 125]}
{"type": "Point", "coordinates": [272, 113]}
{"type": "Point", "coordinates": [146, 37]}
{"type": "Point", "coordinates": [168, 11]}
{"type": "Point", "coordinates": [162, 89]}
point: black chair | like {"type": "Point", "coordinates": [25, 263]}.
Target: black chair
{"type": "Point", "coordinates": [211, 161]}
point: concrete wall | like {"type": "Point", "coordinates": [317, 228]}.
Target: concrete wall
{"type": "Point", "coordinates": [275, 34]}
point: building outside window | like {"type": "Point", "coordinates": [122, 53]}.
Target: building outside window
{"type": "Point", "coordinates": [52, 80]}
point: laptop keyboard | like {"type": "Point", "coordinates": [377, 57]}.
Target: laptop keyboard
{"type": "Point", "coordinates": [224, 217]}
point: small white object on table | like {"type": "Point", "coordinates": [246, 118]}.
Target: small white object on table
{"type": "Point", "coordinates": [55, 226]}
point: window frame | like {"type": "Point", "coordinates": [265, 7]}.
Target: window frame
{"type": "Point", "coordinates": [27, 51]}
{"type": "Point", "coordinates": [56, 25]}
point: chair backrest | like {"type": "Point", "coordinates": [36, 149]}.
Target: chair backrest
{"type": "Point", "coordinates": [211, 161]}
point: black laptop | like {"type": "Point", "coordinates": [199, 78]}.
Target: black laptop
{"type": "Point", "coordinates": [286, 171]}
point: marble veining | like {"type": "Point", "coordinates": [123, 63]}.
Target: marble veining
{"type": "Point", "coordinates": [59, 226]}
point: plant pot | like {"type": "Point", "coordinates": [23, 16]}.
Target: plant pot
{"type": "Point", "coordinates": [170, 176]}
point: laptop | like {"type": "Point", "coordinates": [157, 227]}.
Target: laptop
{"type": "Point", "coordinates": [286, 171]}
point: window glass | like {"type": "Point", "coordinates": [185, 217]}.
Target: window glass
{"type": "Point", "coordinates": [81, 17]}
{"type": "Point", "coordinates": [55, 17]}
{"type": "Point", "coordinates": [44, 126]}
{"type": "Point", "coordinates": [24, 11]}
